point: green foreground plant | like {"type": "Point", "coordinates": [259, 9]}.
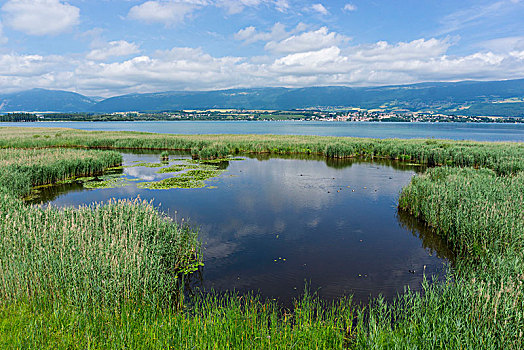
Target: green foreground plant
{"type": "Point", "coordinates": [478, 211]}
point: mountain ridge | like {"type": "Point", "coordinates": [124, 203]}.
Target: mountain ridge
{"type": "Point", "coordinates": [506, 95]}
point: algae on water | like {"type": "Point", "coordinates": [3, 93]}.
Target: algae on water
{"type": "Point", "coordinates": [108, 181]}
{"type": "Point", "coordinates": [194, 178]}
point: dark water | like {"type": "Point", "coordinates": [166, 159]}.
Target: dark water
{"type": "Point", "coordinates": [272, 225]}
{"type": "Point", "coordinates": [454, 131]}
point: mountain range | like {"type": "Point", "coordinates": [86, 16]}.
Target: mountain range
{"type": "Point", "coordinates": [504, 98]}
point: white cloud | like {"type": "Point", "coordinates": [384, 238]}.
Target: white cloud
{"type": "Point", "coordinates": [319, 8]}
{"type": "Point", "coordinates": [167, 12]}
{"type": "Point", "coordinates": [183, 68]}
{"type": "Point", "coordinates": [326, 60]}
{"type": "Point", "coordinates": [350, 7]}
{"type": "Point", "coordinates": [237, 6]}
{"type": "Point", "coordinates": [416, 49]}
{"type": "Point", "coordinates": [250, 34]}
{"type": "Point", "coordinates": [504, 44]}
{"type": "Point", "coordinates": [307, 41]}
{"type": "Point", "coordinates": [40, 17]}
{"type": "Point", "coordinates": [113, 49]}
{"type": "Point", "coordinates": [281, 5]}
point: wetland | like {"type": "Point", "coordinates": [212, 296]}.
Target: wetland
{"type": "Point", "coordinates": [271, 225]}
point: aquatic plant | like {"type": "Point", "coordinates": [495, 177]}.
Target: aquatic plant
{"type": "Point", "coordinates": [164, 156]}
{"type": "Point", "coordinates": [111, 181]}
{"type": "Point", "coordinates": [194, 178]}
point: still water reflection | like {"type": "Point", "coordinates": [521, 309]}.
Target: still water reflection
{"type": "Point", "coordinates": [273, 224]}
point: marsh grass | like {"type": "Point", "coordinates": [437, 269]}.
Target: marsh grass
{"type": "Point", "coordinates": [504, 158]}
{"type": "Point", "coordinates": [476, 211]}
{"type": "Point", "coordinates": [102, 254]}
{"type": "Point", "coordinates": [79, 284]}
{"type": "Point", "coordinates": [24, 168]}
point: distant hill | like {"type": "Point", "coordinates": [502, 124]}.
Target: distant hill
{"type": "Point", "coordinates": [40, 100]}
{"type": "Point", "coordinates": [467, 97]}
{"type": "Point", "coordinates": [442, 97]}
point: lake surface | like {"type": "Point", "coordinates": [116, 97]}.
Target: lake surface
{"type": "Point", "coordinates": [454, 131]}
{"type": "Point", "coordinates": [272, 225]}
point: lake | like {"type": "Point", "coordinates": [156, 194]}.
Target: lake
{"type": "Point", "coordinates": [271, 225]}
{"type": "Point", "coordinates": [454, 131]}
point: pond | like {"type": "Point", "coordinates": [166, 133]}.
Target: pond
{"type": "Point", "coordinates": [271, 225]}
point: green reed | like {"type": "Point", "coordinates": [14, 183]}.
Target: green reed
{"type": "Point", "coordinates": [97, 254]}
{"type": "Point", "coordinates": [24, 168]}
{"type": "Point", "coordinates": [477, 210]}
{"type": "Point", "coordinates": [504, 158]}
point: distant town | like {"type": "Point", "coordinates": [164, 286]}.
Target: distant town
{"type": "Point", "coordinates": [325, 114]}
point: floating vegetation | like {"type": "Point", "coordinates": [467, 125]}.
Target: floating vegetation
{"type": "Point", "coordinates": [108, 182]}
{"type": "Point", "coordinates": [175, 168]}
{"type": "Point", "coordinates": [213, 161]}
{"type": "Point", "coordinates": [82, 179]}
{"type": "Point", "coordinates": [149, 165]}
{"type": "Point", "coordinates": [164, 156]}
{"type": "Point", "coordinates": [194, 178]}
{"type": "Point", "coordinates": [172, 182]}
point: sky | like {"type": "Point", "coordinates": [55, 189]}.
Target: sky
{"type": "Point", "coordinates": [114, 47]}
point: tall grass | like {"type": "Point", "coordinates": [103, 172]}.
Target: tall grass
{"type": "Point", "coordinates": [476, 211]}
{"type": "Point", "coordinates": [21, 169]}
{"type": "Point", "coordinates": [91, 255]}
{"type": "Point", "coordinates": [504, 158]}
{"type": "Point", "coordinates": [101, 276]}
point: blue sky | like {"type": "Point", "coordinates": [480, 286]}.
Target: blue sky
{"type": "Point", "coordinates": [111, 47]}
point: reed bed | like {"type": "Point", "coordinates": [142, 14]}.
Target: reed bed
{"type": "Point", "coordinates": [504, 158]}
{"type": "Point", "coordinates": [24, 168]}
{"type": "Point", "coordinates": [460, 314]}
{"type": "Point", "coordinates": [102, 279]}
{"type": "Point", "coordinates": [476, 211]}
{"type": "Point", "coordinates": [91, 255]}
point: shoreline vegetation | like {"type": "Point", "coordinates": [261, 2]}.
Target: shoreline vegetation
{"type": "Point", "coordinates": [345, 115]}
{"type": "Point", "coordinates": [108, 276]}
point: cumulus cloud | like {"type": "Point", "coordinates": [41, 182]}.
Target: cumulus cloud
{"type": "Point", "coordinates": [237, 6]}
{"type": "Point", "coordinates": [319, 8]}
{"type": "Point", "coordinates": [250, 34]}
{"type": "Point", "coordinates": [324, 61]}
{"type": "Point", "coordinates": [166, 12]}
{"type": "Point", "coordinates": [416, 49]}
{"type": "Point", "coordinates": [113, 49]}
{"type": "Point", "coordinates": [40, 17]}
{"type": "Point", "coordinates": [350, 7]}
{"type": "Point", "coordinates": [307, 41]}
{"type": "Point", "coordinates": [183, 68]}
